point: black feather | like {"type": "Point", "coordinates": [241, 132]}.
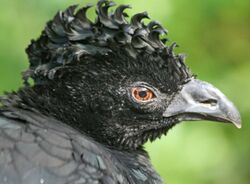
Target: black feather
{"type": "Point", "coordinates": [79, 122]}
{"type": "Point", "coordinates": [73, 31]}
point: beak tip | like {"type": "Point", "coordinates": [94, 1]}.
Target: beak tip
{"type": "Point", "coordinates": [235, 117]}
{"type": "Point", "coordinates": [238, 124]}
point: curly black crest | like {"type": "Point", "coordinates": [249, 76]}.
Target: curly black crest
{"type": "Point", "coordinates": [71, 37]}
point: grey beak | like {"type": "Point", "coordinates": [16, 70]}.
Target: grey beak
{"type": "Point", "coordinates": [199, 100]}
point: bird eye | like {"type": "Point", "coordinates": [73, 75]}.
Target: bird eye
{"type": "Point", "coordinates": [142, 94]}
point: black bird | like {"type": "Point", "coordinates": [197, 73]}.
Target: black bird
{"type": "Point", "coordinates": [101, 90]}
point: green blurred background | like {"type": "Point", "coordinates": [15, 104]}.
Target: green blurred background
{"type": "Point", "coordinates": [215, 35]}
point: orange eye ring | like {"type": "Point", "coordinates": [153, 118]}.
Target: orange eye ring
{"type": "Point", "coordinates": [142, 94]}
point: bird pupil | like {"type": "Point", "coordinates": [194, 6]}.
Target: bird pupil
{"type": "Point", "coordinates": [143, 94]}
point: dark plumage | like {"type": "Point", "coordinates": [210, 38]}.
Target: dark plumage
{"type": "Point", "coordinates": [102, 89]}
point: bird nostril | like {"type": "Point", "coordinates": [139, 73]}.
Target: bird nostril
{"type": "Point", "coordinates": [211, 102]}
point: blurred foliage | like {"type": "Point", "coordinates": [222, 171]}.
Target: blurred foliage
{"type": "Point", "coordinates": [216, 36]}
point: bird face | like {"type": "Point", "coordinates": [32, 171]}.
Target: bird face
{"type": "Point", "coordinates": [140, 100]}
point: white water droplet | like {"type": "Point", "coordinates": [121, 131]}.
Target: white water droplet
{"type": "Point", "coordinates": [42, 181]}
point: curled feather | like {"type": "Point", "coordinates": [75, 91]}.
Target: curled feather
{"type": "Point", "coordinates": [103, 15]}
{"type": "Point", "coordinates": [81, 26]}
{"type": "Point", "coordinates": [123, 38]}
{"type": "Point", "coordinates": [119, 14]}
{"type": "Point", "coordinates": [171, 49]}
{"type": "Point", "coordinates": [69, 12]}
{"type": "Point", "coordinates": [81, 19]}
{"type": "Point", "coordinates": [156, 25]}
{"type": "Point", "coordinates": [71, 36]}
{"type": "Point", "coordinates": [154, 36]}
{"type": "Point", "coordinates": [137, 18]}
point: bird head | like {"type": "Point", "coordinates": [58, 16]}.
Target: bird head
{"type": "Point", "coordinates": [116, 80]}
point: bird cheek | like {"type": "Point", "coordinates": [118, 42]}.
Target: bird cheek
{"type": "Point", "coordinates": [102, 105]}
{"type": "Point", "coordinates": [146, 108]}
